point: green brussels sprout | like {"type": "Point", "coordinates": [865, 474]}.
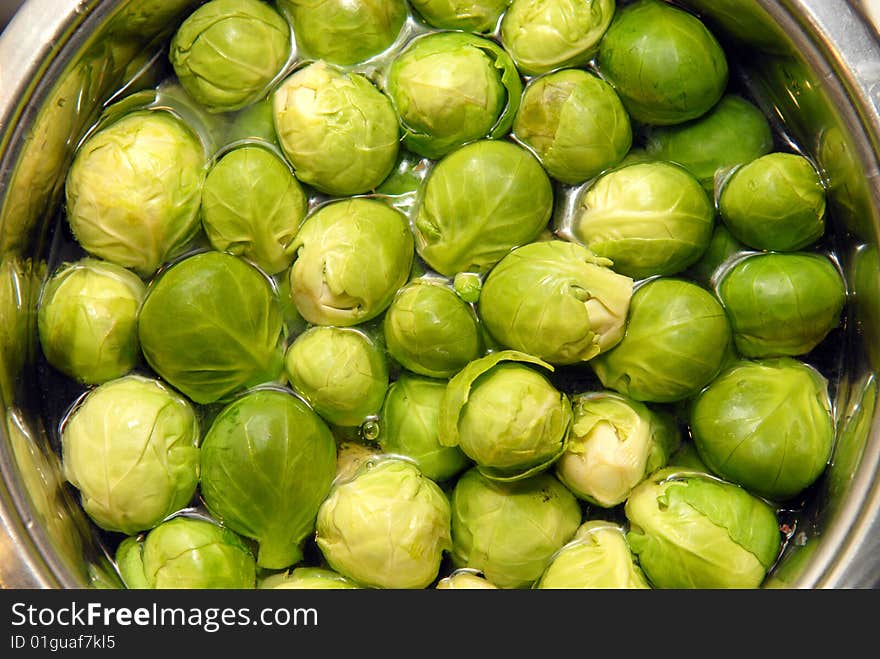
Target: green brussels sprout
{"type": "Point", "coordinates": [211, 326]}
{"type": "Point", "coordinates": [649, 218]}
{"type": "Point", "coordinates": [131, 449]}
{"type": "Point", "coordinates": [344, 32]}
{"type": "Point", "coordinates": [478, 16]}
{"type": "Point", "coordinates": [692, 530]}
{"type": "Point", "coordinates": [253, 123]}
{"type": "Point", "coordinates": [775, 202]}
{"type": "Point", "coordinates": [431, 331]}
{"type": "Point", "coordinates": [227, 52]}
{"type": "Point", "coordinates": [324, 117]}
{"type": "Point", "coordinates": [340, 372]}
{"type": "Point", "coordinates": [542, 35]}
{"type": "Point", "coordinates": [253, 206]}
{"type": "Point", "coordinates": [451, 88]}
{"type": "Point", "coordinates": [465, 579]}
{"type": "Point", "coordinates": [766, 425]}
{"type": "Point", "coordinates": [187, 553]}
{"type": "Point", "coordinates": [307, 578]}
{"type": "Point", "coordinates": [597, 557]}
{"type": "Point", "coordinates": [575, 123]}
{"type": "Point", "coordinates": [410, 426]}
{"type": "Point", "coordinates": [134, 189]}
{"type": "Point", "coordinates": [386, 527]}
{"type": "Point", "coordinates": [557, 301]}
{"type": "Point", "coordinates": [478, 203]}
{"type": "Point", "coordinates": [267, 463]}
{"type": "Point", "coordinates": [782, 303]}
{"type": "Point", "coordinates": [351, 257]}
{"type": "Point", "coordinates": [511, 531]}
{"type": "Point", "coordinates": [614, 444]}
{"type": "Point", "coordinates": [505, 415]}
{"type": "Point", "coordinates": [87, 320]}
{"type": "Point", "coordinates": [732, 133]}
{"type": "Point", "coordinates": [676, 341]}
{"type": "Point", "coordinates": [468, 286]}
{"type": "Point", "coordinates": [721, 251]}
{"type": "Point", "coordinates": [664, 63]}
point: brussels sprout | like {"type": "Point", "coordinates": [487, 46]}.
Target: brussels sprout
{"type": "Point", "coordinates": [676, 341]}
{"type": "Point", "coordinates": [775, 202]}
{"type": "Point", "coordinates": [598, 557]}
{"type": "Point", "coordinates": [766, 425]}
{"type": "Point", "coordinates": [663, 61]}
{"type": "Point", "coordinates": [478, 203]}
{"type": "Point", "coordinates": [134, 189]}
{"type": "Point", "coordinates": [131, 448]}
{"type": "Point", "coordinates": [324, 117]}
{"type": "Point", "coordinates": [387, 527]}
{"type": "Point", "coordinates": [733, 132]}
{"type": "Point", "coordinates": [87, 320]}
{"type": "Point", "coordinates": [187, 553]}
{"type": "Point", "coordinates": [253, 206]}
{"type": "Point", "coordinates": [267, 464]}
{"type": "Point", "coordinates": [410, 423]}
{"type": "Point", "coordinates": [691, 530]}
{"type": "Point", "coordinates": [309, 578]}
{"type": "Point", "coordinates": [468, 286]}
{"type": "Point", "coordinates": [351, 257]}
{"type": "Point", "coordinates": [505, 415]}
{"type": "Point", "coordinates": [615, 442]}
{"type": "Point", "coordinates": [211, 326]}
{"type": "Point", "coordinates": [465, 579]}
{"type": "Point", "coordinates": [479, 16]}
{"type": "Point", "coordinates": [722, 248]}
{"type": "Point", "coordinates": [557, 301]}
{"type": "Point", "coordinates": [253, 123]}
{"type": "Point", "coordinates": [511, 531]}
{"type": "Point", "coordinates": [344, 31]}
{"type": "Point", "coordinates": [340, 371]}
{"type": "Point", "coordinates": [430, 330]}
{"type": "Point", "coordinates": [649, 218]}
{"type": "Point", "coordinates": [227, 52]}
{"type": "Point", "coordinates": [542, 35]}
{"type": "Point", "coordinates": [782, 303]}
{"type": "Point", "coordinates": [575, 124]}
{"type": "Point", "coordinates": [451, 88]}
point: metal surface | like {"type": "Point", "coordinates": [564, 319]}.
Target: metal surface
{"type": "Point", "coordinates": [813, 65]}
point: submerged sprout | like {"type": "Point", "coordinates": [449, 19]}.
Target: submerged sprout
{"type": "Point", "coordinates": [308, 578]}
{"type": "Point", "coordinates": [131, 448]}
{"type": "Point", "coordinates": [340, 371]}
{"type": "Point", "coordinates": [676, 341]}
{"type": "Point", "coordinates": [478, 203]}
{"type": "Point", "coordinates": [766, 425]}
{"type": "Point", "coordinates": [663, 61]}
{"type": "Point", "coordinates": [465, 579]}
{"type": "Point", "coordinates": [557, 301]}
{"type": "Point", "coordinates": [351, 257]}
{"type": "Point", "coordinates": [510, 531]}
{"type": "Point", "coordinates": [542, 35]}
{"type": "Point", "coordinates": [253, 206]}
{"type": "Point", "coordinates": [505, 415]}
{"type": "Point", "coordinates": [187, 553]}
{"type": "Point", "coordinates": [344, 31]}
{"type": "Point", "coordinates": [575, 123]}
{"type": "Point", "coordinates": [267, 464]}
{"type": "Point", "coordinates": [690, 530]}
{"type": "Point", "coordinates": [451, 88]}
{"type": "Point", "coordinates": [477, 16]}
{"type": "Point", "coordinates": [775, 202]}
{"type": "Point", "coordinates": [324, 117]}
{"type": "Point", "coordinates": [211, 326]}
{"type": "Point", "coordinates": [649, 218]}
{"type": "Point", "coordinates": [87, 320]}
{"type": "Point", "coordinates": [386, 527]}
{"type": "Point", "coordinates": [227, 52]}
{"type": "Point", "coordinates": [782, 303]}
{"type": "Point", "coordinates": [134, 190]}
{"type": "Point", "coordinates": [429, 330]}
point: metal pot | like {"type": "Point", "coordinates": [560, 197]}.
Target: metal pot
{"type": "Point", "coordinates": [813, 66]}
